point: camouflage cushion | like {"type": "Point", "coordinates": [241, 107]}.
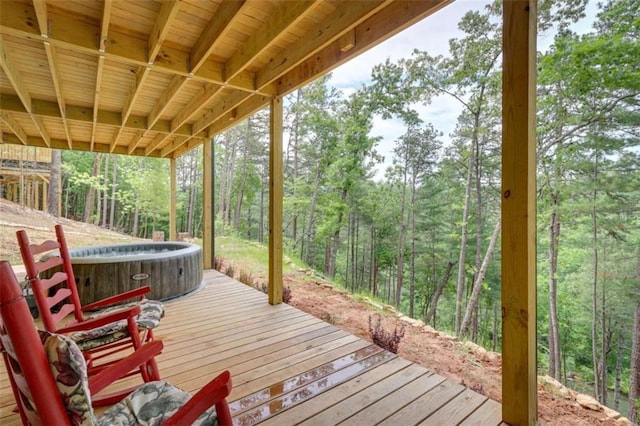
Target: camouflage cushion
{"type": "Point", "coordinates": [151, 311]}
{"type": "Point", "coordinates": [151, 405]}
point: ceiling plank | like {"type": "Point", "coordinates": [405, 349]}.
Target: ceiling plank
{"type": "Point", "coordinates": [79, 36]}
{"type": "Point", "coordinates": [335, 25]}
{"type": "Point", "coordinates": [15, 127]}
{"type": "Point", "coordinates": [288, 14]}
{"type": "Point", "coordinates": [384, 24]}
{"type": "Point", "coordinates": [167, 14]}
{"type": "Point", "coordinates": [7, 65]}
{"type": "Point", "coordinates": [215, 29]}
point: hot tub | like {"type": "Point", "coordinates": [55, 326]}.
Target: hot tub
{"type": "Point", "coordinates": [170, 268]}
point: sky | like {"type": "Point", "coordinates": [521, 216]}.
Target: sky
{"type": "Point", "coordinates": [432, 35]}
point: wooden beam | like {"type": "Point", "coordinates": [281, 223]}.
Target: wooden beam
{"type": "Point", "coordinates": [288, 14]}
{"type": "Point", "coordinates": [174, 87]}
{"type": "Point", "coordinates": [80, 146]}
{"type": "Point", "coordinates": [172, 199]}
{"type": "Point", "coordinates": [96, 98]}
{"type": "Point", "coordinates": [80, 36]}
{"type": "Point", "coordinates": [57, 86]}
{"type": "Point", "coordinates": [40, 7]}
{"type": "Point", "coordinates": [225, 105]}
{"type": "Point", "coordinates": [155, 143]}
{"type": "Point", "coordinates": [379, 26]}
{"type": "Point", "coordinates": [104, 26]}
{"type": "Point", "coordinates": [219, 25]}
{"type": "Point", "coordinates": [177, 143]}
{"type": "Point", "coordinates": [519, 397]}
{"type": "Point", "coordinates": [37, 120]}
{"type": "Point", "coordinates": [335, 25]}
{"type": "Point", "coordinates": [85, 115]}
{"type": "Point", "coordinates": [7, 65]}
{"type": "Point", "coordinates": [207, 206]}
{"type": "Point", "coordinates": [275, 201]}
{"type": "Point", "coordinates": [167, 14]}
{"type": "Point", "coordinates": [207, 94]}
{"type": "Point", "coordinates": [14, 126]}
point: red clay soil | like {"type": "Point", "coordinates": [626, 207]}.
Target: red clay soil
{"type": "Point", "coordinates": [442, 354]}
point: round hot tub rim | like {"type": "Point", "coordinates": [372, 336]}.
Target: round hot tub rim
{"type": "Point", "coordinates": [130, 251]}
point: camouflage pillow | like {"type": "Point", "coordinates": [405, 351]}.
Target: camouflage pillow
{"type": "Point", "coordinates": [69, 370]}
{"type": "Point", "coordinates": [151, 405]}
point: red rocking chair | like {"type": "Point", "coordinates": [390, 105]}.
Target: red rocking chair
{"type": "Point", "coordinates": [110, 326]}
{"type": "Point", "coordinates": [49, 379]}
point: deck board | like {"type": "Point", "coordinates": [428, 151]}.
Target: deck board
{"type": "Point", "coordinates": [288, 367]}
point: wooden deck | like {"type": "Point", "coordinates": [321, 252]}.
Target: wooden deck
{"type": "Point", "coordinates": [288, 367]}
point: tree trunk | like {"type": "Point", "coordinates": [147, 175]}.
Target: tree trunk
{"type": "Point", "coordinates": [97, 219]}
{"type": "Point", "coordinates": [634, 383]}
{"type": "Point", "coordinates": [412, 260]}
{"type": "Point", "coordinates": [91, 191]}
{"type": "Point", "coordinates": [460, 288]}
{"type": "Point", "coordinates": [555, 366]}
{"type": "Point", "coordinates": [437, 293]}
{"type": "Point", "coordinates": [105, 191]}
{"type": "Point", "coordinates": [53, 192]}
{"type": "Point", "coordinates": [114, 185]}
{"type": "Point", "coordinates": [401, 236]}
{"type": "Point", "coordinates": [310, 220]}
{"type": "Point", "coordinates": [616, 389]}
{"type": "Point", "coordinates": [477, 285]}
{"type": "Point", "coordinates": [597, 389]}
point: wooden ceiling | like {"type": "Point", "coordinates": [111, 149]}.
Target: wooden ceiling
{"type": "Point", "coordinates": [157, 78]}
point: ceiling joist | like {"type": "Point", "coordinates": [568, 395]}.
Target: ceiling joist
{"type": "Point", "coordinates": [158, 78]}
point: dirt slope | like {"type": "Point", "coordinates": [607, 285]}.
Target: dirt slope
{"type": "Point", "coordinates": [464, 363]}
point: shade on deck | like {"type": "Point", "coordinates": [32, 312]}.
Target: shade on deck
{"type": "Point", "coordinates": [289, 367]}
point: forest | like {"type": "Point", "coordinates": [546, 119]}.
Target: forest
{"type": "Point", "coordinates": [424, 235]}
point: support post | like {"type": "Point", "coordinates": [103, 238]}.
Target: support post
{"type": "Point", "coordinates": [519, 396]}
{"type": "Point", "coordinates": [275, 202]}
{"type": "Point", "coordinates": [207, 207]}
{"type": "Point", "coordinates": [172, 200]}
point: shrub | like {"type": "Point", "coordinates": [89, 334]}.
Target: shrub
{"type": "Point", "coordinates": [230, 271]}
{"type": "Point", "coordinates": [217, 263]}
{"type": "Point", "coordinates": [286, 292]}
{"type": "Point", "coordinates": [384, 339]}
{"type": "Point", "coordinates": [245, 277]}
{"type": "Point", "coordinates": [286, 295]}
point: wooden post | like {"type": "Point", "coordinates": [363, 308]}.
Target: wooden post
{"type": "Point", "coordinates": [172, 200]}
{"type": "Point", "coordinates": [45, 195]}
{"type": "Point", "coordinates": [207, 206]}
{"type": "Point", "coordinates": [519, 397]}
{"type": "Point", "coordinates": [275, 202]}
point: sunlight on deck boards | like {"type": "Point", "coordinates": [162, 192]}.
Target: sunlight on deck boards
{"type": "Point", "coordinates": [289, 367]}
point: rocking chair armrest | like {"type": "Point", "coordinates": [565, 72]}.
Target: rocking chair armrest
{"type": "Point", "coordinates": [92, 323]}
{"type": "Point", "coordinates": [120, 368]}
{"type": "Point", "coordinates": [213, 393]}
{"type": "Point", "coordinates": [118, 298]}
